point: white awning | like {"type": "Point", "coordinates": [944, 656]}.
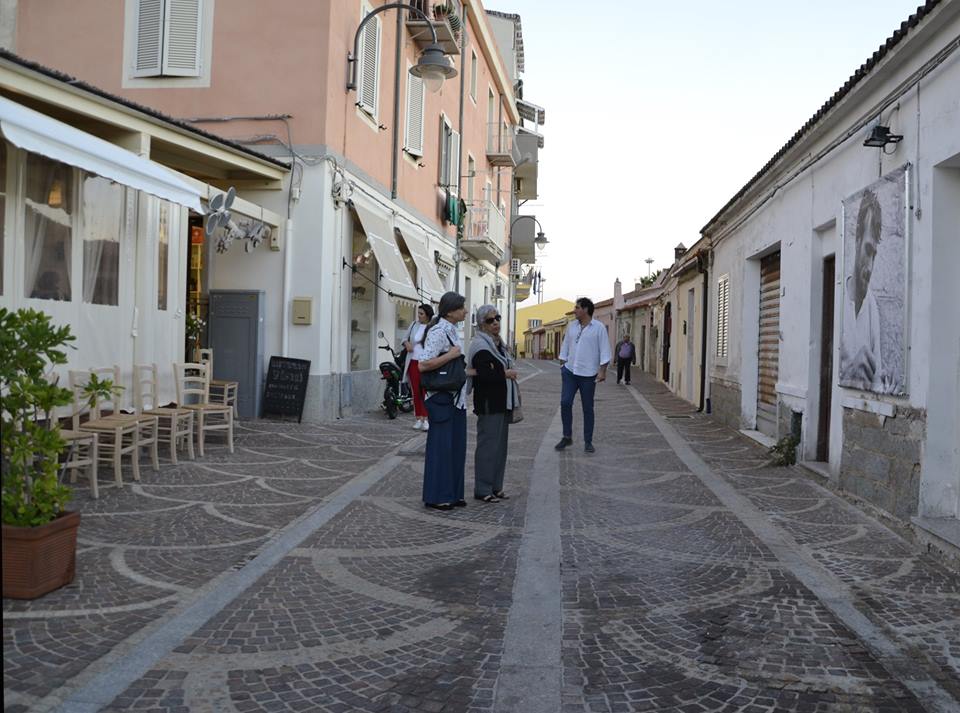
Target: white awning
{"type": "Point", "coordinates": [394, 277]}
{"type": "Point", "coordinates": [416, 239]}
{"type": "Point", "coordinates": [38, 133]}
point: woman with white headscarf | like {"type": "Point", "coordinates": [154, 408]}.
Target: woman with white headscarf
{"type": "Point", "coordinates": [495, 395]}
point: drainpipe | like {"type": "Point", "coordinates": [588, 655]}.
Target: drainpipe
{"type": "Point", "coordinates": [703, 268]}
{"type": "Point", "coordinates": [394, 167]}
{"type": "Point", "coordinates": [463, 61]}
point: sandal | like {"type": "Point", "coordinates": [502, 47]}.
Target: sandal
{"type": "Point", "coordinates": [487, 498]}
{"type": "Point", "coordinates": [502, 495]}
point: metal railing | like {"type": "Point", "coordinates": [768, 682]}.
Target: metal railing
{"type": "Point", "coordinates": [484, 221]}
{"type": "Point", "coordinates": [500, 139]}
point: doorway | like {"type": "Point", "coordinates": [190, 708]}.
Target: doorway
{"type": "Point", "coordinates": [667, 328]}
{"type": "Point", "coordinates": [691, 331]}
{"type": "Point", "coordinates": [769, 345]}
{"type": "Point", "coordinates": [826, 359]}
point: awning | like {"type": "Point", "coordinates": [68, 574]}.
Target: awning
{"type": "Point", "coordinates": [38, 133]}
{"type": "Point", "coordinates": [531, 112]}
{"type": "Point", "coordinates": [394, 277]}
{"type": "Point", "coordinates": [430, 285]}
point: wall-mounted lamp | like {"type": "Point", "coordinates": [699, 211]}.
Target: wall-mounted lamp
{"type": "Point", "coordinates": [880, 136]}
{"type": "Point", "coordinates": [541, 240]}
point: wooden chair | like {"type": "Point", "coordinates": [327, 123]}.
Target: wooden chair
{"type": "Point", "coordinates": [117, 434]}
{"type": "Point", "coordinates": [149, 424]}
{"type": "Point", "coordinates": [82, 452]}
{"type": "Point", "coordinates": [175, 423]}
{"type": "Point", "coordinates": [193, 392]}
{"type": "Point", "coordinates": [221, 391]}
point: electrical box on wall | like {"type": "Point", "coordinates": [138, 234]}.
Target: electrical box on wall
{"type": "Point", "coordinates": [303, 310]}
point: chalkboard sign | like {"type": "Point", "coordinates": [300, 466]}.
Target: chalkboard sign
{"type": "Point", "coordinates": [286, 387]}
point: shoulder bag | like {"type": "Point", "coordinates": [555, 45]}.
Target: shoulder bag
{"type": "Point", "coordinates": [449, 377]}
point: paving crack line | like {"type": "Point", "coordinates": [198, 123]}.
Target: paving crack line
{"type": "Point", "coordinates": [827, 587]}
{"type": "Point", "coordinates": [530, 671]}
{"type": "Point", "coordinates": [114, 673]}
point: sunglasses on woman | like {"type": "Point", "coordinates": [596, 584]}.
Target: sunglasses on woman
{"type": "Point", "coordinates": [491, 320]}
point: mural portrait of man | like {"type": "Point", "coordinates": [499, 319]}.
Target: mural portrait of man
{"type": "Point", "coordinates": [872, 338]}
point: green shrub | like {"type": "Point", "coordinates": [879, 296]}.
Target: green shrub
{"type": "Point", "coordinates": [785, 451]}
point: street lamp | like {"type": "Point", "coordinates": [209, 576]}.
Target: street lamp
{"type": "Point", "coordinates": [433, 67]}
{"type": "Point", "coordinates": [541, 240]}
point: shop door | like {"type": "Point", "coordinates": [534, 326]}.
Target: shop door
{"type": "Point", "coordinates": [826, 360]}
{"type": "Point", "coordinates": [691, 331]}
{"type": "Point", "coordinates": [667, 328]}
{"type": "Point", "coordinates": [769, 345]}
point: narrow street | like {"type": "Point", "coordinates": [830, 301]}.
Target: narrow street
{"type": "Point", "coordinates": [673, 570]}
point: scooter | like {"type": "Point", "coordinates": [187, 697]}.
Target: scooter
{"type": "Point", "coordinates": [396, 395]}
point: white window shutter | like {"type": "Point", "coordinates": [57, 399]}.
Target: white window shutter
{"type": "Point", "coordinates": [369, 69]}
{"type": "Point", "coordinates": [443, 153]}
{"type": "Point", "coordinates": [181, 41]}
{"type": "Point", "coordinates": [414, 135]}
{"type": "Point", "coordinates": [149, 42]}
{"type": "Point", "coordinates": [453, 171]}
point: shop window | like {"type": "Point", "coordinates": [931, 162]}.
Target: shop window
{"type": "Point", "coordinates": [101, 225]}
{"type": "Point", "coordinates": [48, 229]}
{"type": "Point", "coordinates": [363, 300]}
{"type": "Point", "coordinates": [163, 254]}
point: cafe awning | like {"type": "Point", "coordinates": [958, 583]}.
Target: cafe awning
{"type": "Point", "coordinates": [394, 277]}
{"type": "Point", "coordinates": [428, 279]}
{"type": "Point", "coordinates": [38, 133]}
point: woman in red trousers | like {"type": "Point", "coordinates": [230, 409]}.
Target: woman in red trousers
{"type": "Point", "coordinates": [411, 373]}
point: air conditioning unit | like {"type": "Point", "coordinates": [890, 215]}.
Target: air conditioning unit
{"type": "Point", "coordinates": [515, 267]}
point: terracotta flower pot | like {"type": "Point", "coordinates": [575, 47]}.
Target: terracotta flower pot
{"type": "Point", "coordinates": [37, 560]}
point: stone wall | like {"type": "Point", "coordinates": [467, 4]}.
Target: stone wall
{"type": "Point", "coordinates": [725, 403]}
{"type": "Point", "coordinates": [881, 458]}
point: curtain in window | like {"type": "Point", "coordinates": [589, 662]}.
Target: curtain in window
{"type": "Point", "coordinates": [48, 229]}
{"type": "Point", "coordinates": [101, 221]}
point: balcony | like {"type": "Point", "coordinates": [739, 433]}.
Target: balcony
{"type": "Point", "coordinates": [484, 232]}
{"type": "Point", "coordinates": [522, 235]}
{"type": "Point", "coordinates": [527, 167]}
{"type": "Point", "coordinates": [446, 25]}
{"type": "Point", "coordinates": [501, 146]}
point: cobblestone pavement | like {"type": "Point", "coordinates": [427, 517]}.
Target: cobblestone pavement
{"type": "Point", "coordinates": [691, 577]}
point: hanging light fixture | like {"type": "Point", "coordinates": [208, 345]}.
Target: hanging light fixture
{"type": "Point", "coordinates": [541, 240]}
{"type": "Point", "coordinates": [433, 68]}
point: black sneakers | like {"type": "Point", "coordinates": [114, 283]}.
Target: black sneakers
{"type": "Point", "coordinates": [589, 448]}
{"type": "Point", "coordinates": [564, 442]}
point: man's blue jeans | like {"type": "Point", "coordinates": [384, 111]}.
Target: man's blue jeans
{"type": "Point", "coordinates": [586, 385]}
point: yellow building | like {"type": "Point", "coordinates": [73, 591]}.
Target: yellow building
{"type": "Point", "coordinates": [538, 315]}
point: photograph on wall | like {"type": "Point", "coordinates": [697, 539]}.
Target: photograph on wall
{"type": "Point", "coordinates": [874, 318]}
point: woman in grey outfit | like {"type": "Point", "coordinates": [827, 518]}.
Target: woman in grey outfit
{"type": "Point", "coordinates": [494, 395]}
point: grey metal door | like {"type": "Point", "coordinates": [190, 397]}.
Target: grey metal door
{"type": "Point", "coordinates": [236, 337]}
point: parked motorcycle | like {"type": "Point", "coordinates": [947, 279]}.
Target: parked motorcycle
{"type": "Point", "coordinates": [396, 395]}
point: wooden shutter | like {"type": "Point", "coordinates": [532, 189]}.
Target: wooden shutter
{"type": "Point", "coordinates": [181, 39]}
{"type": "Point", "coordinates": [148, 61]}
{"type": "Point", "coordinates": [454, 170]}
{"type": "Point", "coordinates": [769, 345]}
{"type": "Point", "coordinates": [413, 142]}
{"type": "Point", "coordinates": [723, 315]}
{"type": "Point", "coordinates": [368, 72]}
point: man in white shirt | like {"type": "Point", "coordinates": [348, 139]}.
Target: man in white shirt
{"type": "Point", "coordinates": [584, 356]}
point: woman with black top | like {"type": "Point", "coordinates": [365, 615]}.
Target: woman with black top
{"type": "Point", "coordinates": [494, 395]}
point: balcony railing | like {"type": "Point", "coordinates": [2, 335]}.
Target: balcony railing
{"type": "Point", "coordinates": [484, 231]}
{"type": "Point", "coordinates": [446, 22]}
{"type": "Point", "coordinates": [501, 145]}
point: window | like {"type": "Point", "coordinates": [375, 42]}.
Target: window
{"type": "Point", "coordinates": [363, 300]}
{"type": "Point", "coordinates": [473, 75]}
{"type": "Point", "coordinates": [168, 38]}
{"type": "Point", "coordinates": [534, 323]}
{"type": "Point", "coordinates": [491, 107]}
{"type": "Point", "coordinates": [723, 315]}
{"type": "Point", "coordinates": [471, 177]}
{"type": "Point", "coordinates": [48, 229]}
{"type": "Point", "coordinates": [368, 66]}
{"type": "Point", "coordinates": [101, 224]}
{"type": "Point", "coordinates": [449, 156]}
{"type": "Point", "coordinates": [413, 141]}
{"type": "Point", "coordinates": [163, 254]}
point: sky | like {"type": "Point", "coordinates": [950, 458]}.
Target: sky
{"type": "Point", "coordinates": [657, 113]}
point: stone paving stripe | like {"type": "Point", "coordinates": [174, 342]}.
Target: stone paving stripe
{"type": "Point", "coordinates": [530, 671]}
{"type": "Point", "coordinates": [119, 674]}
{"type": "Point", "coordinates": [827, 587]}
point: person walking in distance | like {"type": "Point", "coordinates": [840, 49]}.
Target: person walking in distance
{"type": "Point", "coordinates": [626, 354]}
{"type": "Point", "coordinates": [584, 357]}
{"type": "Point", "coordinates": [411, 373]}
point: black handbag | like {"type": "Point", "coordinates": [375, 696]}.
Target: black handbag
{"type": "Point", "coordinates": [449, 377]}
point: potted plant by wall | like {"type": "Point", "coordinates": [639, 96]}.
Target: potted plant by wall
{"type": "Point", "coordinates": [39, 534]}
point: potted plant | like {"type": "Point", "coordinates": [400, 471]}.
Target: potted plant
{"type": "Point", "coordinates": [441, 10]}
{"type": "Point", "coordinates": [39, 534]}
{"type": "Point", "coordinates": [194, 329]}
